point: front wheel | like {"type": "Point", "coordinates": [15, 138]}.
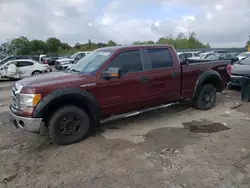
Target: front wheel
{"type": "Point", "coordinates": [207, 97]}
{"type": "Point", "coordinates": [68, 125]}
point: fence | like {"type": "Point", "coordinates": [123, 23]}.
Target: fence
{"type": "Point", "coordinates": [239, 50]}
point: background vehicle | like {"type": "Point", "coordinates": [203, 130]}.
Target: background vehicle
{"type": "Point", "coordinates": [39, 58]}
{"type": "Point", "coordinates": [112, 83]}
{"type": "Point", "coordinates": [215, 57]}
{"type": "Point", "coordinates": [51, 60]}
{"type": "Point", "coordinates": [243, 55]}
{"type": "Point", "coordinates": [24, 68]}
{"type": "Point", "coordinates": [239, 69]}
{"type": "Point", "coordinates": [185, 55]}
{"type": "Point", "coordinates": [11, 58]}
{"type": "Point", "coordinates": [64, 61]}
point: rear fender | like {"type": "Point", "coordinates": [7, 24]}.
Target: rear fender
{"type": "Point", "coordinates": [207, 77]}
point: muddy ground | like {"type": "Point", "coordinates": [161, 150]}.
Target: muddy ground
{"type": "Point", "coordinates": [171, 148]}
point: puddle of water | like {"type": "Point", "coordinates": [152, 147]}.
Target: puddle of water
{"type": "Point", "coordinates": [204, 126]}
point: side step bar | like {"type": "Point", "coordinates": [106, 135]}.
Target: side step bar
{"type": "Point", "coordinates": [135, 113]}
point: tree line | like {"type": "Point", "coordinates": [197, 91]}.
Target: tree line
{"type": "Point", "coordinates": [53, 46]}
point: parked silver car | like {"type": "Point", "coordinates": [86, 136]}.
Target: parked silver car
{"type": "Point", "coordinates": [236, 71]}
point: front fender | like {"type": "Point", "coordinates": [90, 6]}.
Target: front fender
{"type": "Point", "coordinates": [67, 94]}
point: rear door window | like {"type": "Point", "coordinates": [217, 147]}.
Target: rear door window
{"type": "Point", "coordinates": [24, 63]}
{"type": "Point", "coordinates": [160, 58]}
{"type": "Point", "coordinates": [129, 61]}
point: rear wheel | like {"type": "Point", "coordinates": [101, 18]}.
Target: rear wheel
{"type": "Point", "coordinates": [68, 125]}
{"type": "Point", "coordinates": [207, 97]}
{"type": "Point", "coordinates": [36, 73]}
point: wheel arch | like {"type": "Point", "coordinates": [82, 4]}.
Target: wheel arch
{"type": "Point", "coordinates": [208, 77]}
{"type": "Point", "coordinates": [67, 96]}
{"type": "Point", "coordinates": [36, 71]}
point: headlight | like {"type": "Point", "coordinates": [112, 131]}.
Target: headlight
{"type": "Point", "coordinates": [29, 100]}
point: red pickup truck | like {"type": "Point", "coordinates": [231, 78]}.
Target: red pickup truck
{"type": "Point", "coordinates": [110, 83]}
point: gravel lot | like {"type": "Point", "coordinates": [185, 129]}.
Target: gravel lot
{"type": "Point", "coordinates": [176, 147]}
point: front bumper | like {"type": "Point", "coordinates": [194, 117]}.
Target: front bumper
{"type": "Point", "coordinates": [27, 124]}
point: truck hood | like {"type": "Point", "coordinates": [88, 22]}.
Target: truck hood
{"type": "Point", "coordinates": [49, 82]}
{"type": "Point", "coordinates": [241, 69]}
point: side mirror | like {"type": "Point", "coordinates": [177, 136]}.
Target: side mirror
{"type": "Point", "coordinates": [112, 72]}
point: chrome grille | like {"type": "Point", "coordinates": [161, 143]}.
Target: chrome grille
{"type": "Point", "coordinates": [15, 98]}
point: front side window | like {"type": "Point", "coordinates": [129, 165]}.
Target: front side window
{"type": "Point", "coordinates": [24, 63]}
{"type": "Point", "coordinates": [160, 58]}
{"type": "Point", "coordinates": [129, 61]}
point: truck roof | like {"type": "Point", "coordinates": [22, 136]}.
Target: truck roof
{"type": "Point", "coordinates": [114, 48]}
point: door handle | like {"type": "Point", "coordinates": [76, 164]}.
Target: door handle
{"type": "Point", "coordinates": [174, 75]}
{"type": "Point", "coordinates": [144, 79]}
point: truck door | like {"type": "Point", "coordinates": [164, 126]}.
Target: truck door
{"type": "Point", "coordinates": [164, 76]}
{"type": "Point", "coordinates": [129, 92]}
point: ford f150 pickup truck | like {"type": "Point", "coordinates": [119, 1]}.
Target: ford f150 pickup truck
{"type": "Point", "coordinates": [112, 83]}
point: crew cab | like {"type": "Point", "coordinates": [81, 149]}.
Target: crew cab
{"type": "Point", "coordinates": [112, 83]}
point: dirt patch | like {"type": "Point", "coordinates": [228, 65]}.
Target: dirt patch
{"type": "Point", "coordinates": [204, 126]}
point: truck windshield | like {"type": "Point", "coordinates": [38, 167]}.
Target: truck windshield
{"type": "Point", "coordinates": [91, 62]}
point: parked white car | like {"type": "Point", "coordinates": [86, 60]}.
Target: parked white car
{"type": "Point", "coordinates": [22, 68]}
{"type": "Point", "coordinates": [186, 55]}
{"type": "Point", "coordinates": [63, 63]}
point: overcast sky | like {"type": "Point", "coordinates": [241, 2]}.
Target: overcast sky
{"type": "Point", "coordinates": [222, 23]}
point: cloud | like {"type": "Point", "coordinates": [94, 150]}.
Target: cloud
{"type": "Point", "coordinates": [218, 22]}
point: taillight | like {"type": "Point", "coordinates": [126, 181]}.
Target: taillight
{"type": "Point", "coordinates": [229, 69]}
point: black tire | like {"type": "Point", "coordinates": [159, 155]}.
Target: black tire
{"type": "Point", "coordinates": [207, 97]}
{"type": "Point", "coordinates": [36, 73]}
{"type": "Point", "coordinates": [68, 125]}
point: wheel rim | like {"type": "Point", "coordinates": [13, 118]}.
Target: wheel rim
{"type": "Point", "coordinates": [70, 125]}
{"type": "Point", "coordinates": [208, 97]}
{"type": "Point", "coordinates": [36, 73]}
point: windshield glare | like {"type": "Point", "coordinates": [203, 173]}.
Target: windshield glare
{"type": "Point", "coordinates": [91, 62]}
